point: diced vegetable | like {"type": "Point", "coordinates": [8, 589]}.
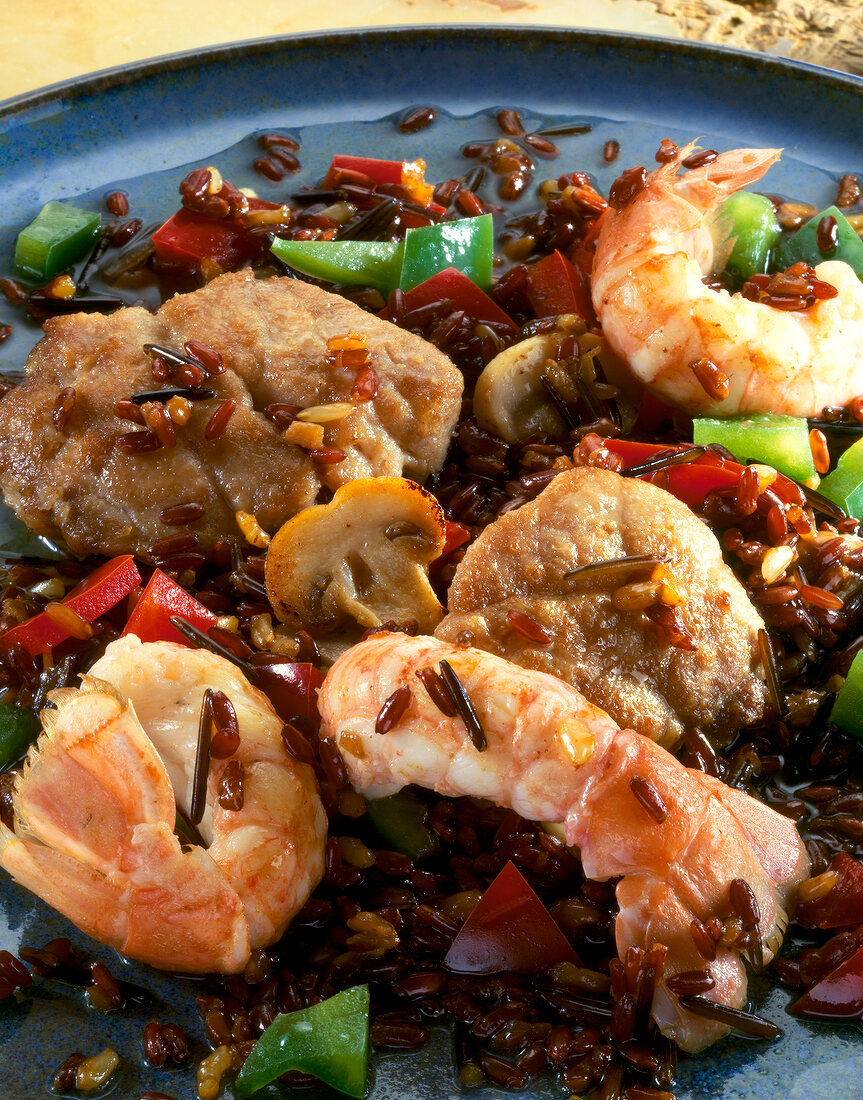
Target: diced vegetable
{"type": "Point", "coordinates": [839, 996]}
{"type": "Point", "coordinates": [400, 820]}
{"type": "Point", "coordinates": [410, 174]}
{"type": "Point", "coordinates": [329, 1040]}
{"type": "Point", "coordinates": [59, 235]}
{"type": "Point", "coordinates": [847, 711]}
{"type": "Point", "coordinates": [457, 534]}
{"type": "Point", "coordinates": [19, 728]}
{"type": "Point", "coordinates": [291, 686]}
{"type": "Point", "coordinates": [804, 244]}
{"type": "Point", "coordinates": [554, 287]}
{"type": "Point", "coordinates": [453, 285]}
{"type": "Point", "coordinates": [690, 482]}
{"type": "Point", "coordinates": [843, 903]}
{"type": "Point", "coordinates": [95, 595]}
{"type": "Point", "coordinates": [781, 441]}
{"type": "Point", "coordinates": [192, 241]}
{"type": "Point", "coordinates": [844, 485]}
{"type": "Point", "coordinates": [364, 263]}
{"type": "Point", "coordinates": [162, 598]}
{"type": "Point", "coordinates": [467, 245]}
{"type": "Point", "coordinates": [381, 171]}
{"type": "Point", "coordinates": [752, 223]}
{"type": "Point", "coordinates": [509, 929]}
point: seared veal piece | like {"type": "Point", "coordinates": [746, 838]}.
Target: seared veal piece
{"type": "Point", "coordinates": [601, 638]}
{"type": "Point", "coordinates": [77, 483]}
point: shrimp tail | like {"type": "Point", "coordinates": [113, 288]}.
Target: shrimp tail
{"type": "Point", "coordinates": [107, 858]}
{"type": "Point", "coordinates": [679, 859]}
{"type": "Point", "coordinates": [687, 855]}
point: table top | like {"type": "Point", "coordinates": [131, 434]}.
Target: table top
{"type": "Point", "coordinates": [53, 41]}
{"type": "Point", "coordinates": [58, 39]}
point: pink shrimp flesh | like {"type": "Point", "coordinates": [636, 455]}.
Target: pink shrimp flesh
{"type": "Point", "coordinates": [659, 317]}
{"type": "Point", "coordinates": [554, 757]}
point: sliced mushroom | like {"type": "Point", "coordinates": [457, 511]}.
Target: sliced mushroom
{"type": "Point", "coordinates": [363, 558]}
{"type": "Point", "coordinates": [510, 399]}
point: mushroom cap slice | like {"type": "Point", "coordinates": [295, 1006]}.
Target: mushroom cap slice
{"type": "Point", "coordinates": [510, 400]}
{"type": "Point", "coordinates": [363, 557]}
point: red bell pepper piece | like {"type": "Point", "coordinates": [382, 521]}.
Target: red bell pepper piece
{"type": "Point", "coordinates": [456, 535]}
{"type": "Point", "coordinates": [464, 294]}
{"type": "Point", "coordinates": [689, 482]}
{"type": "Point", "coordinates": [162, 598]}
{"type": "Point", "coordinates": [509, 929]}
{"type": "Point", "coordinates": [693, 480]}
{"type": "Point", "coordinates": [409, 174]}
{"type": "Point", "coordinates": [291, 686]}
{"type": "Point", "coordinates": [91, 599]}
{"type": "Point", "coordinates": [381, 171]}
{"type": "Point", "coordinates": [839, 996]}
{"type": "Point", "coordinates": [189, 240]}
{"type": "Point", "coordinates": [555, 287]}
{"type": "Point", "coordinates": [843, 903]}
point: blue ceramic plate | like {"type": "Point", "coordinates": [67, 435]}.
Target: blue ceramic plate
{"type": "Point", "coordinates": [136, 127]}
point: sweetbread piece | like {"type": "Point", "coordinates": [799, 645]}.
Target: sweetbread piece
{"type": "Point", "coordinates": [78, 485]}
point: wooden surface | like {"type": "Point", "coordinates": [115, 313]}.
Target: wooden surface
{"type": "Point", "coordinates": [824, 32]}
{"type": "Point", "coordinates": [57, 39]}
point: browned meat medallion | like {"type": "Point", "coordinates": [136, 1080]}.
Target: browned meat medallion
{"type": "Point", "coordinates": [278, 339]}
{"type": "Point", "coordinates": [608, 629]}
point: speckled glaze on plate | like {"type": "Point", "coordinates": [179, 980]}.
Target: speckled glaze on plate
{"type": "Point", "coordinates": [129, 126]}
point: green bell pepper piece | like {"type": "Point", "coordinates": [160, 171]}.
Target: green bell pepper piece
{"type": "Point", "coordinates": [847, 711]}
{"type": "Point", "coordinates": [751, 221]}
{"type": "Point", "coordinates": [19, 728]}
{"type": "Point", "coordinates": [59, 235]}
{"type": "Point", "coordinates": [364, 263]}
{"type": "Point", "coordinates": [400, 820]}
{"type": "Point", "coordinates": [329, 1040]}
{"type": "Point", "coordinates": [780, 441]}
{"type": "Point", "coordinates": [467, 245]}
{"type": "Point", "coordinates": [844, 485]}
{"type": "Point", "coordinates": [804, 244]}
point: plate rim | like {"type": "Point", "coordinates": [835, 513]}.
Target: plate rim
{"type": "Point", "coordinates": [129, 72]}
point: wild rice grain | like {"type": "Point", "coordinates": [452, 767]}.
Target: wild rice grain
{"type": "Point", "coordinates": [438, 694]}
{"type": "Point", "coordinates": [689, 982]}
{"type": "Point", "coordinates": [218, 423]}
{"type": "Point", "coordinates": [230, 792]}
{"type": "Point", "coordinates": [528, 627]}
{"type": "Point", "coordinates": [746, 1022]}
{"type": "Point", "coordinates": [848, 191]}
{"type": "Point", "coordinates": [827, 234]}
{"type": "Point", "coordinates": [417, 119]}
{"type": "Point", "coordinates": [65, 1077]}
{"type": "Point", "coordinates": [182, 515]}
{"type": "Point", "coordinates": [64, 406]}
{"type": "Point", "coordinates": [713, 379]}
{"type": "Point", "coordinates": [700, 158]}
{"type": "Point", "coordinates": [392, 710]}
{"type": "Point", "coordinates": [649, 797]}
{"type": "Point", "coordinates": [117, 204]}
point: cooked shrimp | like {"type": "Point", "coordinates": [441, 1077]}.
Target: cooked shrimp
{"type": "Point", "coordinates": [553, 756]}
{"type": "Point", "coordinates": [96, 803]}
{"type": "Point", "coordinates": [659, 317]}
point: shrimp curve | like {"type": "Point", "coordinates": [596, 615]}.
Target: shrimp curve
{"type": "Point", "coordinates": [95, 809]}
{"type": "Point", "coordinates": [552, 756]}
{"type": "Point", "coordinates": [659, 317]}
